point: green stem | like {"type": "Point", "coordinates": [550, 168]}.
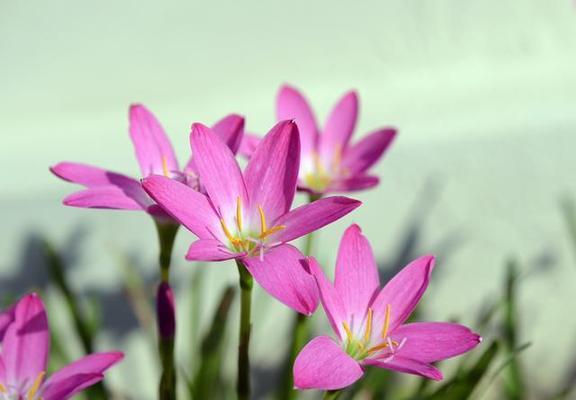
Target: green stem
{"type": "Point", "coordinates": [300, 330]}
{"type": "Point", "coordinates": [300, 333]}
{"type": "Point", "coordinates": [166, 235]}
{"type": "Point", "coordinates": [167, 387]}
{"type": "Point", "coordinates": [332, 394]}
{"type": "Point", "coordinates": [246, 283]}
{"type": "Point", "coordinates": [312, 197]}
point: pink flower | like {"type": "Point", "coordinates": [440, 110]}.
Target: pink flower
{"type": "Point", "coordinates": [24, 358]}
{"type": "Point", "coordinates": [247, 215]}
{"type": "Point", "coordinates": [329, 163]}
{"type": "Point", "coordinates": [107, 189]}
{"type": "Point", "coordinates": [369, 322]}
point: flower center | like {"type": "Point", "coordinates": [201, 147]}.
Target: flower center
{"type": "Point", "coordinates": [8, 392]}
{"type": "Point", "coordinates": [361, 348]}
{"type": "Point", "coordinates": [321, 176]}
{"type": "Point", "coordinates": [249, 240]}
{"type": "Point", "coordinates": [186, 177]}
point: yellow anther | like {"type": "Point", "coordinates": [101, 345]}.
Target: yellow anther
{"type": "Point", "coordinates": [368, 331]}
{"type": "Point", "coordinates": [3, 388]}
{"type": "Point", "coordinates": [348, 331]}
{"type": "Point", "coordinates": [263, 227]}
{"type": "Point", "coordinates": [34, 389]}
{"type": "Point", "coordinates": [239, 213]}
{"type": "Point", "coordinates": [386, 322]}
{"type": "Point", "coordinates": [165, 167]}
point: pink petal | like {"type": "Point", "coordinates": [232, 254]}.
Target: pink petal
{"type": "Point", "coordinates": [355, 183]}
{"type": "Point", "coordinates": [434, 341]}
{"type": "Point", "coordinates": [90, 176]}
{"type": "Point", "coordinates": [322, 364]}
{"type": "Point", "coordinates": [403, 292]}
{"type": "Point", "coordinates": [407, 366]}
{"type": "Point", "coordinates": [218, 171]}
{"type": "Point", "coordinates": [284, 275]}
{"type": "Point", "coordinates": [230, 130]}
{"type": "Point", "coordinates": [6, 318]}
{"type": "Point", "coordinates": [291, 104]}
{"type": "Point", "coordinates": [27, 341]}
{"type": "Point", "coordinates": [313, 216]}
{"type": "Point", "coordinates": [106, 189]}
{"type": "Point", "coordinates": [71, 386]}
{"type": "Point", "coordinates": [331, 301]}
{"type": "Point", "coordinates": [189, 207]}
{"type": "Point", "coordinates": [249, 144]}
{"type": "Point", "coordinates": [209, 250]}
{"type": "Point", "coordinates": [108, 197]}
{"type": "Point", "coordinates": [79, 375]}
{"type": "Point", "coordinates": [356, 278]}
{"type": "Point", "coordinates": [362, 155]}
{"type": "Point", "coordinates": [2, 370]}
{"type": "Point", "coordinates": [339, 128]}
{"type": "Point", "coordinates": [272, 171]}
{"type": "Point", "coordinates": [153, 148]}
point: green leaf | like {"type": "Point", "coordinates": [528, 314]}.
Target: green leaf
{"type": "Point", "coordinates": [207, 383]}
{"type": "Point", "coordinates": [84, 329]}
{"type": "Point", "coordinates": [466, 380]}
{"type": "Point", "coordinates": [196, 299]}
{"type": "Point", "coordinates": [514, 385]}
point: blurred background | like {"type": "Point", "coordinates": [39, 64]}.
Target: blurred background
{"type": "Point", "coordinates": [482, 172]}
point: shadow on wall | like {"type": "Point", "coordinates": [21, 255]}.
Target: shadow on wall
{"type": "Point", "coordinates": [32, 273]}
{"type": "Point", "coordinates": [119, 315]}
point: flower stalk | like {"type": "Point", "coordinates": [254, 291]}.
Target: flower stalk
{"type": "Point", "coordinates": [300, 330]}
{"type": "Point", "coordinates": [165, 312]}
{"type": "Point", "coordinates": [166, 236]}
{"type": "Point", "coordinates": [246, 283]}
{"type": "Point", "coordinates": [332, 394]}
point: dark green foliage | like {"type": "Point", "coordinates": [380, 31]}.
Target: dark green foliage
{"type": "Point", "coordinates": [207, 383]}
{"type": "Point", "coordinates": [85, 327]}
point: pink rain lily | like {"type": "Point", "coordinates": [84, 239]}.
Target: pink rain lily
{"type": "Point", "coordinates": [24, 358]}
{"type": "Point", "coordinates": [369, 322]}
{"type": "Point", "coordinates": [329, 163]}
{"type": "Point", "coordinates": [107, 189]}
{"type": "Point", "coordinates": [246, 215]}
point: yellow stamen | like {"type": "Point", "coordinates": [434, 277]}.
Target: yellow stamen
{"type": "Point", "coordinates": [318, 164]}
{"type": "Point", "coordinates": [34, 389]}
{"type": "Point", "coordinates": [386, 322]}
{"type": "Point", "coordinates": [337, 156]}
{"type": "Point", "coordinates": [234, 240]}
{"type": "Point", "coordinates": [368, 331]}
{"type": "Point", "coordinates": [263, 227]}
{"type": "Point", "coordinates": [165, 166]}
{"type": "Point", "coordinates": [271, 231]}
{"type": "Point", "coordinates": [239, 213]}
{"type": "Point", "coordinates": [3, 388]}
{"type": "Point", "coordinates": [348, 331]}
{"type": "Point", "coordinates": [381, 346]}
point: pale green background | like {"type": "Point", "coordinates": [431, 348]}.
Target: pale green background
{"type": "Point", "coordinates": [484, 94]}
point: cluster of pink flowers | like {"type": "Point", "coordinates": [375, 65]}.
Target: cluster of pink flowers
{"type": "Point", "coordinates": [247, 215]}
{"type": "Point", "coordinates": [25, 347]}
